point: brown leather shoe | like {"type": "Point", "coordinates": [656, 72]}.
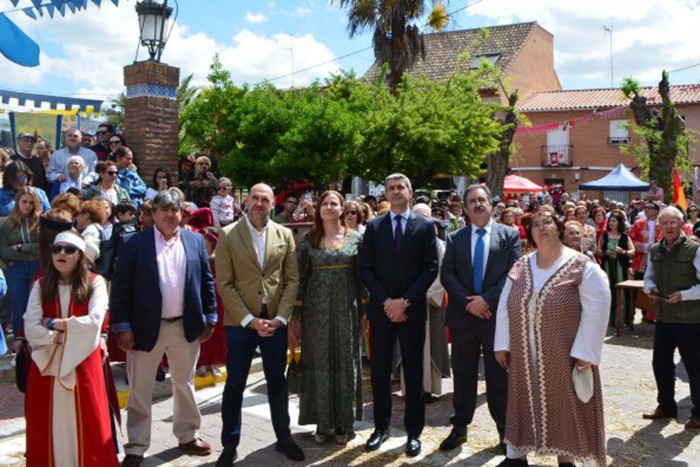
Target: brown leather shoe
{"type": "Point", "coordinates": [132, 460]}
{"type": "Point", "coordinates": [196, 447]}
{"type": "Point", "coordinates": [658, 414]}
{"type": "Point", "coordinates": [693, 424]}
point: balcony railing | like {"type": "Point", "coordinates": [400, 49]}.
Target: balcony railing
{"type": "Point", "coordinates": [618, 140]}
{"type": "Point", "coordinates": [557, 155]}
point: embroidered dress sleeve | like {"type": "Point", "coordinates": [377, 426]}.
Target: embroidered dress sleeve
{"type": "Point", "coordinates": [502, 339]}
{"type": "Point", "coordinates": [595, 301]}
{"type": "Point", "coordinates": [82, 334]}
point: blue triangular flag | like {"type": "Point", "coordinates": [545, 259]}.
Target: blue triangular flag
{"type": "Point", "coordinates": [14, 2]}
{"type": "Point", "coordinates": [116, 2]}
{"type": "Point", "coordinates": [70, 5]}
{"type": "Point", "coordinates": [29, 12]}
{"type": "Point", "coordinates": [85, 4]}
{"type": "Point", "coordinates": [57, 3]}
{"type": "Point", "coordinates": [37, 3]}
{"type": "Point", "coordinates": [40, 11]}
{"type": "Point", "coordinates": [97, 2]}
{"type": "Point", "coordinates": [62, 9]}
{"type": "Point", "coordinates": [16, 45]}
{"type": "Point", "coordinates": [50, 9]}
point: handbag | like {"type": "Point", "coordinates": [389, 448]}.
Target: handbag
{"type": "Point", "coordinates": [295, 368]}
{"type": "Point", "coordinates": [22, 361]}
{"type": "Point", "coordinates": [583, 383]}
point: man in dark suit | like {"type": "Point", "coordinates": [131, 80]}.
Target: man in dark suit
{"type": "Point", "coordinates": [162, 301]}
{"type": "Point", "coordinates": [398, 262]}
{"type": "Point", "coordinates": [474, 269]}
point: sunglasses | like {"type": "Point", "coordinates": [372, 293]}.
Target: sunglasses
{"type": "Point", "coordinates": [21, 178]}
{"type": "Point", "coordinates": [650, 208]}
{"type": "Point", "coordinates": [100, 133]}
{"type": "Point", "coordinates": [111, 172]}
{"type": "Point", "coordinates": [67, 249]}
{"type": "Point", "coordinates": [115, 142]}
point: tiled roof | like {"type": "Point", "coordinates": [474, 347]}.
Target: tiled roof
{"type": "Point", "coordinates": [443, 48]}
{"type": "Point", "coordinates": [586, 99]}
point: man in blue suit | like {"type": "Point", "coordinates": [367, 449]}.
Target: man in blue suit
{"type": "Point", "coordinates": [474, 269]}
{"type": "Point", "coordinates": [162, 301]}
{"type": "Point", "coordinates": [398, 263]}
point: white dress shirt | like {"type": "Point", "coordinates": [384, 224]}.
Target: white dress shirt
{"type": "Point", "coordinates": [259, 238]}
{"type": "Point", "coordinates": [172, 268]}
{"type": "Point", "coordinates": [487, 241]}
{"type": "Point", "coordinates": [404, 219]}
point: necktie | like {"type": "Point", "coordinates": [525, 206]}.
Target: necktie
{"type": "Point", "coordinates": [398, 233]}
{"type": "Point", "coordinates": [478, 262]}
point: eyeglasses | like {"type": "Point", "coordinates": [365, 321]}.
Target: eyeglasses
{"type": "Point", "coordinates": [111, 172]}
{"type": "Point", "coordinates": [116, 141]}
{"type": "Point", "coordinates": [351, 213]}
{"type": "Point", "coordinates": [100, 133]}
{"type": "Point", "coordinates": [545, 222]}
{"type": "Point", "coordinates": [21, 178]}
{"type": "Point", "coordinates": [67, 249]}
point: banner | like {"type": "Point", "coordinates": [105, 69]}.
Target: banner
{"type": "Point", "coordinates": [678, 193]}
{"type": "Point", "coordinates": [47, 127]}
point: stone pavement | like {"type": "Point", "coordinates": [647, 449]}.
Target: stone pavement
{"type": "Point", "coordinates": [629, 390]}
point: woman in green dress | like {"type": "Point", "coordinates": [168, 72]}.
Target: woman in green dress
{"type": "Point", "coordinates": [329, 320]}
{"type": "Point", "coordinates": [615, 250]}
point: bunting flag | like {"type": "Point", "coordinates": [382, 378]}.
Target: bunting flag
{"type": "Point", "coordinates": [678, 193]}
{"type": "Point", "coordinates": [29, 12]}
{"type": "Point", "coordinates": [50, 8]}
{"type": "Point", "coordinates": [14, 2]}
{"type": "Point", "coordinates": [37, 4]}
{"type": "Point", "coordinates": [15, 45]}
{"type": "Point", "coordinates": [545, 127]}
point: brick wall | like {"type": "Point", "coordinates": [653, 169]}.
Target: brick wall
{"type": "Point", "coordinates": [151, 121]}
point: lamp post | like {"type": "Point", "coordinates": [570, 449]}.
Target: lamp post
{"type": "Point", "coordinates": [153, 22]}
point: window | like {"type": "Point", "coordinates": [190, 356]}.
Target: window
{"type": "Point", "coordinates": [619, 134]}
{"type": "Point", "coordinates": [476, 61]}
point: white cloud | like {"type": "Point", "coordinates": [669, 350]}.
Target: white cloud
{"type": "Point", "coordinates": [302, 11]}
{"type": "Point", "coordinates": [255, 18]}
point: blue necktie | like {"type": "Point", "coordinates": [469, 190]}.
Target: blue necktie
{"type": "Point", "coordinates": [398, 233]}
{"type": "Point", "coordinates": [478, 262]}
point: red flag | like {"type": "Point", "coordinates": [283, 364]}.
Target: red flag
{"type": "Point", "coordinates": [678, 193]}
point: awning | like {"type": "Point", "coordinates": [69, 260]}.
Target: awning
{"type": "Point", "coordinates": [516, 184]}
{"type": "Point", "coordinates": [619, 179]}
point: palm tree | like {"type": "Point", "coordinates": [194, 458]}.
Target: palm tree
{"type": "Point", "coordinates": [397, 39]}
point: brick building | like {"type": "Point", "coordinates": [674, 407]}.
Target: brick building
{"type": "Point", "coordinates": [576, 135]}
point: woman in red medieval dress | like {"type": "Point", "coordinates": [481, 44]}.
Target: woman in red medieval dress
{"type": "Point", "coordinates": [67, 413]}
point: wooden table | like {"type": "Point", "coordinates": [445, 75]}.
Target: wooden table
{"type": "Point", "coordinates": [634, 285]}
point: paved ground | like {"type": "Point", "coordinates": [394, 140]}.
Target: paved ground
{"type": "Point", "coordinates": [629, 390]}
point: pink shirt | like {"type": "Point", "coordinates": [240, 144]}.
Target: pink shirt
{"type": "Point", "coordinates": [172, 267]}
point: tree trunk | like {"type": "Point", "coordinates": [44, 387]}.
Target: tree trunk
{"type": "Point", "coordinates": [498, 162]}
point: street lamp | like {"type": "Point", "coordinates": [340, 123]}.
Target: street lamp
{"type": "Point", "coordinates": [153, 22]}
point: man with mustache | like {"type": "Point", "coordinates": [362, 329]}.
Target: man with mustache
{"type": "Point", "coordinates": [477, 260]}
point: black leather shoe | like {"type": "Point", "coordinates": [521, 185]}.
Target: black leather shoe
{"type": "Point", "coordinates": [227, 458]}
{"type": "Point", "coordinates": [132, 460]}
{"type": "Point", "coordinates": [290, 449]}
{"type": "Point", "coordinates": [376, 439]}
{"type": "Point", "coordinates": [658, 414]}
{"type": "Point", "coordinates": [520, 462]}
{"type": "Point", "coordinates": [455, 439]}
{"type": "Point", "coordinates": [413, 447]}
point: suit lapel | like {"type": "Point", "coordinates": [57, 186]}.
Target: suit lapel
{"type": "Point", "coordinates": [188, 246]}
{"type": "Point", "coordinates": [270, 238]}
{"type": "Point", "coordinates": [467, 257]}
{"type": "Point", "coordinates": [247, 242]}
{"type": "Point", "coordinates": [494, 245]}
{"type": "Point", "coordinates": [152, 261]}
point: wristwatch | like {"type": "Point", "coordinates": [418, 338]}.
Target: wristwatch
{"type": "Point", "coordinates": [407, 302]}
{"type": "Point", "coordinates": [49, 324]}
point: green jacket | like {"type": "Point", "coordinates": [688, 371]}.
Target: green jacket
{"type": "Point", "coordinates": [674, 271]}
{"type": "Point", "coordinates": [93, 191]}
{"type": "Point", "coordinates": [9, 238]}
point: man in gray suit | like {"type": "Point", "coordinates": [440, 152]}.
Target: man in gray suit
{"type": "Point", "coordinates": [474, 269]}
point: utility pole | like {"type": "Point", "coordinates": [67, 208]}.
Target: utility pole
{"type": "Point", "coordinates": [609, 30]}
{"type": "Point", "coordinates": [291, 48]}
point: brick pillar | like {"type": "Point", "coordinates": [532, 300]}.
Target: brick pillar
{"type": "Point", "coordinates": [151, 117]}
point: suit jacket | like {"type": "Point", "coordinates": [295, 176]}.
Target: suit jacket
{"type": "Point", "coordinates": [408, 274]}
{"type": "Point", "coordinates": [240, 280]}
{"type": "Point", "coordinates": [135, 300]}
{"type": "Point", "coordinates": [457, 275]}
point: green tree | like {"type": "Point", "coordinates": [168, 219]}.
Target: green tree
{"type": "Point", "coordinates": [397, 38]}
{"type": "Point", "coordinates": [665, 136]}
{"type": "Point", "coordinates": [429, 128]}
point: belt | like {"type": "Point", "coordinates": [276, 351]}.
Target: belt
{"type": "Point", "coordinates": [171, 320]}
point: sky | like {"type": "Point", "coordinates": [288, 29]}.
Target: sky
{"type": "Point", "coordinates": [294, 42]}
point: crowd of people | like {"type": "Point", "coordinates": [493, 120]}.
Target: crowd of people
{"type": "Point", "coordinates": [199, 278]}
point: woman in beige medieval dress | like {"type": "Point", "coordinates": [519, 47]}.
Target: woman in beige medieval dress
{"type": "Point", "coordinates": [550, 326]}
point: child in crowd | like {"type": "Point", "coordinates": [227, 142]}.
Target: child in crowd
{"type": "Point", "coordinates": [212, 353]}
{"type": "Point", "coordinates": [222, 205]}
